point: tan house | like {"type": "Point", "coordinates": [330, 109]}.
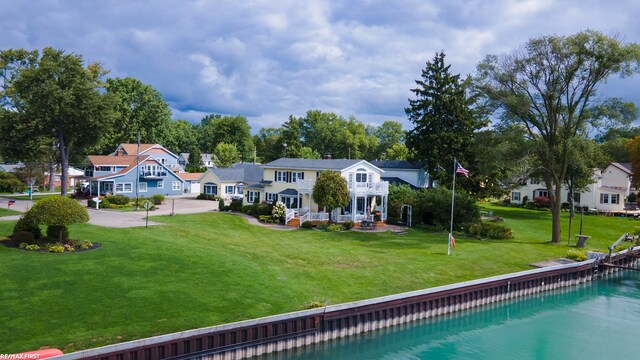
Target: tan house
{"type": "Point", "coordinates": [607, 193]}
{"type": "Point", "coordinates": [291, 181]}
{"type": "Point", "coordinates": [228, 183]}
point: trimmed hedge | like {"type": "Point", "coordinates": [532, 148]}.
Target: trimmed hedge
{"type": "Point", "coordinates": [490, 230]}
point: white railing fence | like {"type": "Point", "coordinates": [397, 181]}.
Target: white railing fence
{"type": "Point", "coordinates": [291, 213]}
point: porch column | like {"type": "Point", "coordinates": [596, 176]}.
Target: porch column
{"type": "Point", "coordinates": [354, 206]}
{"type": "Point", "coordinates": [384, 207]}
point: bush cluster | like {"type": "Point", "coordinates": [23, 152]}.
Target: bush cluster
{"type": "Point", "coordinates": [432, 207]}
{"type": "Point", "coordinates": [348, 225]}
{"type": "Point", "coordinates": [490, 230]}
{"type": "Point", "coordinates": [157, 199]}
{"type": "Point", "coordinates": [208, 197]}
{"type": "Point", "coordinates": [576, 255]}
{"type": "Point", "coordinates": [307, 225]}
{"type": "Point", "coordinates": [10, 183]}
{"type": "Point", "coordinates": [335, 228]}
{"type": "Point", "coordinates": [28, 223]}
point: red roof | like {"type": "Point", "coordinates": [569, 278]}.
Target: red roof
{"type": "Point", "coordinates": [190, 176]}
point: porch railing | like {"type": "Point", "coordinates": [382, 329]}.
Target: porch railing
{"type": "Point", "coordinates": [379, 187]}
{"type": "Point", "coordinates": [305, 217]}
{"type": "Point", "coordinates": [323, 216]}
{"type": "Point", "coordinates": [291, 213]}
{"type": "Point", "coordinates": [343, 218]}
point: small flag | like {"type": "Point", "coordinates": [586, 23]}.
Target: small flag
{"type": "Point", "coordinates": [453, 241]}
{"type": "Point", "coordinates": [461, 170]}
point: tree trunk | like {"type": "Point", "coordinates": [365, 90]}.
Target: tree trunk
{"type": "Point", "coordinates": [556, 210]}
{"type": "Point", "coordinates": [52, 176]}
{"type": "Point", "coordinates": [64, 157]}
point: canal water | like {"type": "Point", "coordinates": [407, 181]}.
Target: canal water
{"type": "Point", "coordinates": [598, 320]}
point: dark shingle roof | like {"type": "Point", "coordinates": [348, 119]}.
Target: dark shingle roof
{"type": "Point", "coordinates": [397, 181]}
{"type": "Point", "coordinates": [247, 173]}
{"type": "Point", "coordinates": [396, 164]}
{"type": "Point", "coordinates": [314, 164]}
{"type": "Point", "coordinates": [288, 191]}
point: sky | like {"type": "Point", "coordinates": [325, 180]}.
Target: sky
{"type": "Point", "coordinates": [267, 60]}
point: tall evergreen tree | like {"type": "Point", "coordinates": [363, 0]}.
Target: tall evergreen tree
{"type": "Point", "coordinates": [442, 115]}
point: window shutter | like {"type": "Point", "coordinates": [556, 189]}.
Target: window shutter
{"type": "Point", "coordinates": [288, 176]}
{"type": "Point", "coordinates": [301, 175]}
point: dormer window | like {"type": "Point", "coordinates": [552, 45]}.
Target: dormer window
{"type": "Point", "coordinates": [361, 175]}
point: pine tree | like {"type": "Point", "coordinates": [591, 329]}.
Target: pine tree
{"type": "Point", "coordinates": [442, 115]}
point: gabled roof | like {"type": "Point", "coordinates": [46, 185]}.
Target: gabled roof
{"type": "Point", "coordinates": [10, 167]}
{"type": "Point", "coordinates": [626, 167]}
{"type": "Point", "coordinates": [397, 181]}
{"type": "Point", "coordinates": [103, 160]}
{"type": "Point", "coordinates": [132, 149]}
{"type": "Point", "coordinates": [312, 164]}
{"type": "Point", "coordinates": [190, 176]}
{"type": "Point", "coordinates": [396, 164]}
{"type": "Point", "coordinates": [241, 172]}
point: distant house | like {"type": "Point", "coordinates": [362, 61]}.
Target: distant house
{"type": "Point", "coordinates": [291, 181]}
{"type": "Point", "coordinates": [205, 161]}
{"type": "Point", "coordinates": [124, 172]}
{"type": "Point", "coordinates": [10, 167]}
{"type": "Point", "coordinates": [229, 183]}
{"type": "Point", "coordinates": [191, 182]}
{"type": "Point", "coordinates": [607, 193]}
{"type": "Point", "coordinates": [401, 172]}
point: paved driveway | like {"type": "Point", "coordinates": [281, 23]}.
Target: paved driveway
{"type": "Point", "coordinates": [121, 219]}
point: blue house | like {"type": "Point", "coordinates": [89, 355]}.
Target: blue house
{"type": "Point", "coordinates": [128, 174]}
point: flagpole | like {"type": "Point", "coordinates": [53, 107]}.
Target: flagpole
{"type": "Point", "coordinates": [453, 192]}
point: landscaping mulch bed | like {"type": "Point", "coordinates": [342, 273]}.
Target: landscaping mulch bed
{"type": "Point", "coordinates": [43, 241]}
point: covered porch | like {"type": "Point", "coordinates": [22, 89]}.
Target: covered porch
{"type": "Point", "coordinates": [367, 203]}
{"type": "Point", "coordinates": [101, 187]}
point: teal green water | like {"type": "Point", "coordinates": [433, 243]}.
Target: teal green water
{"type": "Point", "coordinates": [600, 320]}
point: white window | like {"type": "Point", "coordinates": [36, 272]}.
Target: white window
{"type": "Point", "coordinates": [609, 198]}
{"type": "Point", "coordinates": [128, 187]}
{"type": "Point", "coordinates": [538, 193]}
{"type": "Point", "coordinates": [210, 189]}
{"type": "Point", "coordinates": [281, 176]}
{"type": "Point", "coordinates": [515, 196]}
{"type": "Point", "coordinates": [361, 175]}
{"type": "Point", "coordinates": [176, 185]}
{"type": "Point", "coordinates": [534, 181]}
{"type": "Point", "coordinates": [297, 175]}
{"type": "Point", "coordinates": [124, 187]}
{"type": "Point", "coordinates": [160, 184]}
{"type": "Point", "coordinates": [229, 189]}
{"type": "Point", "coordinates": [253, 196]}
{"type": "Point", "coordinates": [119, 187]}
{"type": "Point", "coordinates": [271, 197]}
{"type": "Point", "coordinates": [142, 187]}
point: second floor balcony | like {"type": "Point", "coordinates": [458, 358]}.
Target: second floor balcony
{"type": "Point", "coordinates": [356, 188]}
{"type": "Point", "coordinates": [153, 174]}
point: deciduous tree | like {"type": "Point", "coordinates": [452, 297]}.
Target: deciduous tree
{"type": "Point", "coordinates": [330, 191]}
{"type": "Point", "coordinates": [549, 86]}
{"type": "Point", "coordinates": [225, 155]}
{"type": "Point", "coordinates": [52, 98]}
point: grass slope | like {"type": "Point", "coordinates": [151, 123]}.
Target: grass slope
{"type": "Point", "coordinates": [8, 212]}
{"type": "Point", "coordinates": [206, 269]}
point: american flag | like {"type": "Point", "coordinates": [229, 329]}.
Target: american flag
{"type": "Point", "coordinates": [461, 170]}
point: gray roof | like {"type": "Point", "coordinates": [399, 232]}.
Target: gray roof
{"type": "Point", "coordinates": [397, 181]}
{"type": "Point", "coordinates": [313, 164]}
{"type": "Point", "coordinates": [289, 191]}
{"type": "Point", "coordinates": [627, 166]}
{"type": "Point", "coordinates": [10, 167]}
{"type": "Point", "coordinates": [396, 164]}
{"type": "Point", "coordinates": [241, 172]}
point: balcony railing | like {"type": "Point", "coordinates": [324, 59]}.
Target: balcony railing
{"type": "Point", "coordinates": [373, 187]}
{"type": "Point", "coordinates": [153, 174]}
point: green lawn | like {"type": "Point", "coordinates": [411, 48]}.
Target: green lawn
{"type": "Point", "coordinates": [8, 212]}
{"type": "Point", "coordinates": [206, 269]}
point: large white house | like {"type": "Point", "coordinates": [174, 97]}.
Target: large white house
{"type": "Point", "coordinates": [607, 193]}
{"type": "Point", "coordinates": [291, 181]}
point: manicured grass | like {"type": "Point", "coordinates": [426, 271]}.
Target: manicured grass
{"type": "Point", "coordinates": [8, 212]}
{"type": "Point", "coordinates": [206, 269]}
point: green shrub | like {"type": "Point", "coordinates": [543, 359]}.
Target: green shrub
{"type": "Point", "coordinates": [157, 199]}
{"type": "Point", "coordinates": [82, 244]}
{"type": "Point", "coordinates": [307, 225]}
{"type": "Point", "coordinates": [348, 225]}
{"type": "Point", "coordinates": [58, 232]}
{"type": "Point", "coordinates": [10, 183]}
{"type": "Point", "coordinates": [335, 227]}
{"type": "Point", "coordinates": [221, 205]}
{"type": "Point", "coordinates": [322, 226]}
{"type": "Point", "coordinates": [54, 247]}
{"type": "Point", "coordinates": [236, 205]}
{"type": "Point", "coordinates": [490, 230]}
{"type": "Point", "coordinates": [264, 209]}
{"type": "Point", "coordinates": [22, 237]}
{"type": "Point", "coordinates": [279, 211]}
{"type": "Point", "coordinates": [23, 245]}
{"type": "Point", "coordinates": [247, 209]}
{"type": "Point", "coordinates": [117, 200]}
{"type": "Point", "coordinates": [265, 218]}
{"type": "Point", "coordinates": [32, 247]}
{"type": "Point", "coordinates": [576, 255]}
{"type": "Point", "coordinates": [392, 220]}
{"type": "Point", "coordinates": [530, 205]}
{"type": "Point", "coordinates": [29, 224]}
